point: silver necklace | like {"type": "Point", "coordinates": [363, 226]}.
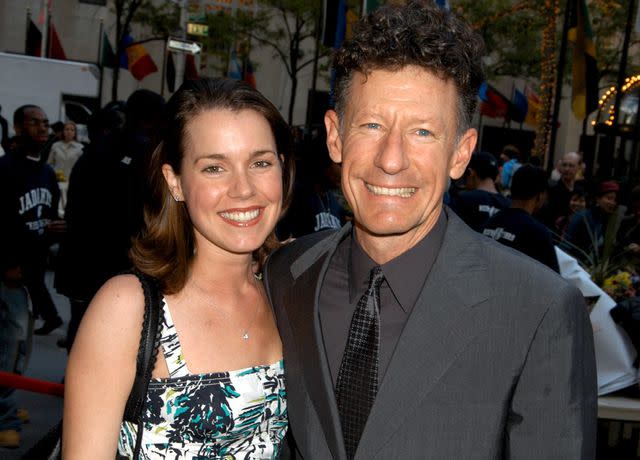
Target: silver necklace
{"type": "Point", "coordinates": [245, 335]}
{"type": "Point", "coordinates": [245, 332]}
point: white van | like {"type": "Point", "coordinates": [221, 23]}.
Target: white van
{"type": "Point", "coordinates": [66, 90]}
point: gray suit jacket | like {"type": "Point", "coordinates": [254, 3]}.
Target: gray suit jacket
{"type": "Point", "coordinates": [496, 359]}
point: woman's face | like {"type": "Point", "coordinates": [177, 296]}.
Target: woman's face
{"type": "Point", "coordinates": [231, 179]}
{"type": "Point", "coordinates": [577, 203]}
{"type": "Point", "coordinates": [69, 132]}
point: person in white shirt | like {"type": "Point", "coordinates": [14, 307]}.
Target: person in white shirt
{"type": "Point", "coordinates": [66, 152]}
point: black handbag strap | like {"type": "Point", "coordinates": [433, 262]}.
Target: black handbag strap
{"type": "Point", "coordinates": [147, 354]}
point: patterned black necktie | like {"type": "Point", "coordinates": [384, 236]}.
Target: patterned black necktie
{"type": "Point", "coordinates": [357, 383]}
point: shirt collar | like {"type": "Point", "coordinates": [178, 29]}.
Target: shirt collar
{"type": "Point", "coordinates": [406, 274]}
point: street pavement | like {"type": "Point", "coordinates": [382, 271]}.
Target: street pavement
{"type": "Point", "coordinates": [47, 362]}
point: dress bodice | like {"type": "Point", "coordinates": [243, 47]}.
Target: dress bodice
{"type": "Point", "coordinates": [222, 415]}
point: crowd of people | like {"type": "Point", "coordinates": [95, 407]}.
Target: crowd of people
{"type": "Point", "coordinates": [198, 191]}
{"type": "Point", "coordinates": [537, 211]}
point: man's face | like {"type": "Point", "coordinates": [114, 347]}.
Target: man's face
{"type": "Point", "coordinates": [398, 146]}
{"type": "Point", "coordinates": [35, 126]}
{"type": "Point", "coordinates": [569, 166]}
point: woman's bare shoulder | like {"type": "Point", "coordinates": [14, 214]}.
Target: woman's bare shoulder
{"type": "Point", "coordinates": [116, 311]}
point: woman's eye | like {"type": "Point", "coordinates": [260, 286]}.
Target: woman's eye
{"type": "Point", "coordinates": [213, 169]}
{"type": "Point", "coordinates": [262, 164]}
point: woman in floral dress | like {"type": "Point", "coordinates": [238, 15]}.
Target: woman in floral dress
{"type": "Point", "coordinates": [218, 183]}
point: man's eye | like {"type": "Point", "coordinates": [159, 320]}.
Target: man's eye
{"type": "Point", "coordinates": [213, 169]}
{"type": "Point", "coordinates": [373, 125]}
{"type": "Point", "coordinates": [423, 132]}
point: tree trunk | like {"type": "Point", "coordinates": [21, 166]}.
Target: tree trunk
{"type": "Point", "coordinates": [292, 97]}
{"type": "Point", "coordinates": [115, 75]}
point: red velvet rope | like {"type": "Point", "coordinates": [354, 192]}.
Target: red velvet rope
{"type": "Point", "coordinates": [20, 382]}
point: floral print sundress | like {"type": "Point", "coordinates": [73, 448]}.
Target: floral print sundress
{"type": "Point", "coordinates": [231, 415]}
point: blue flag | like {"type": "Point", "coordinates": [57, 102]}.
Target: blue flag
{"type": "Point", "coordinates": [235, 68]}
{"type": "Point", "coordinates": [519, 107]}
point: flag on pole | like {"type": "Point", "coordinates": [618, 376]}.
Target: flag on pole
{"type": "Point", "coordinates": [584, 95]}
{"type": "Point", "coordinates": [493, 104]}
{"type": "Point", "coordinates": [248, 75]}
{"type": "Point", "coordinates": [55, 46]}
{"type": "Point", "coordinates": [234, 70]}
{"type": "Point", "coordinates": [136, 59]}
{"type": "Point", "coordinates": [34, 40]}
{"type": "Point", "coordinates": [534, 105]}
{"type": "Point", "coordinates": [519, 107]}
{"type": "Point", "coordinates": [107, 55]}
{"type": "Point", "coordinates": [335, 23]}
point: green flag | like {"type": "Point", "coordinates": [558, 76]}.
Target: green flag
{"type": "Point", "coordinates": [107, 56]}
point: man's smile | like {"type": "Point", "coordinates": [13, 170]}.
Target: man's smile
{"type": "Point", "coordinates": [402, 192]}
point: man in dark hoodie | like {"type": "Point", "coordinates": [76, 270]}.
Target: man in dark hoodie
{"type": "Point", "coordinates": [29, 196]}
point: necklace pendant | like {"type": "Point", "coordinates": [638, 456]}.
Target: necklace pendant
{"type": "Point", "coordinates": [245, 336]}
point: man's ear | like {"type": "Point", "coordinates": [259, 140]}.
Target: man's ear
{"type": "Point", "coordinates": [462, 153]}
{"type": "Point", "coordinates": [334, 142]}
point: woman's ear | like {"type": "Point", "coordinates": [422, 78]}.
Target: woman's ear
{"type": "Point", "coordinates": [173, 182]}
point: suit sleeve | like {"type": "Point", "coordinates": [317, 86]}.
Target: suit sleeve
{"type": "Point", "coordinates": [554, 405]}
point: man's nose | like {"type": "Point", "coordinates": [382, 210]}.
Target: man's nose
{"type": "Point", "coordinates": [392, 157]}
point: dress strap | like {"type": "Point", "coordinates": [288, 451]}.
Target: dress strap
{"type": "Point", "coordinates": [171, 345]}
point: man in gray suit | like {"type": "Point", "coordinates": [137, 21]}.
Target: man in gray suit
{"type": "Point", "coordinates": [407, 335]}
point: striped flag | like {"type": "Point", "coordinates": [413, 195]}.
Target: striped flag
{"type": "Point", "coordinates": [136, 59]}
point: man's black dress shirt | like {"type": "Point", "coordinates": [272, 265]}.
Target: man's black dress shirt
{"type": "Point", "coordinates": [347, 279]}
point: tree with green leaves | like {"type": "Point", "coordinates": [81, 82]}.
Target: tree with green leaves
{"type": "Point", "coordinates": [513, 35]}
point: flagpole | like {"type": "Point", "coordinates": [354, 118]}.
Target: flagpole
{"type": "Point", "coordinates": [26, 35]}
{"type": "Point", "coordinates": [164, 67]}
{"type": "Point", "coordinates": [100, 62]}
{"type": "Point", "coordinates": [557, 97]}
{"type": "Point", "coordinates": [314, 77]}
{"type": "Point", "coordinates": [48, 36]}
{"type": "Point", "coordinates": [513, 92]}
{"type": "Point", "coordinates": [622, 70]}
{"type": "Point", "coordinates": [45, 30]}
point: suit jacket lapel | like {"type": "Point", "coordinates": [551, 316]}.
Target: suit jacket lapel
{"type": "Point", "coordinates": [439, 328]}
{"type": "Point", "coordinates": [308, 271]}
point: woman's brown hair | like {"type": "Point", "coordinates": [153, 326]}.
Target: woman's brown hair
{"type": "Point", "coordinates": [165, 248]}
